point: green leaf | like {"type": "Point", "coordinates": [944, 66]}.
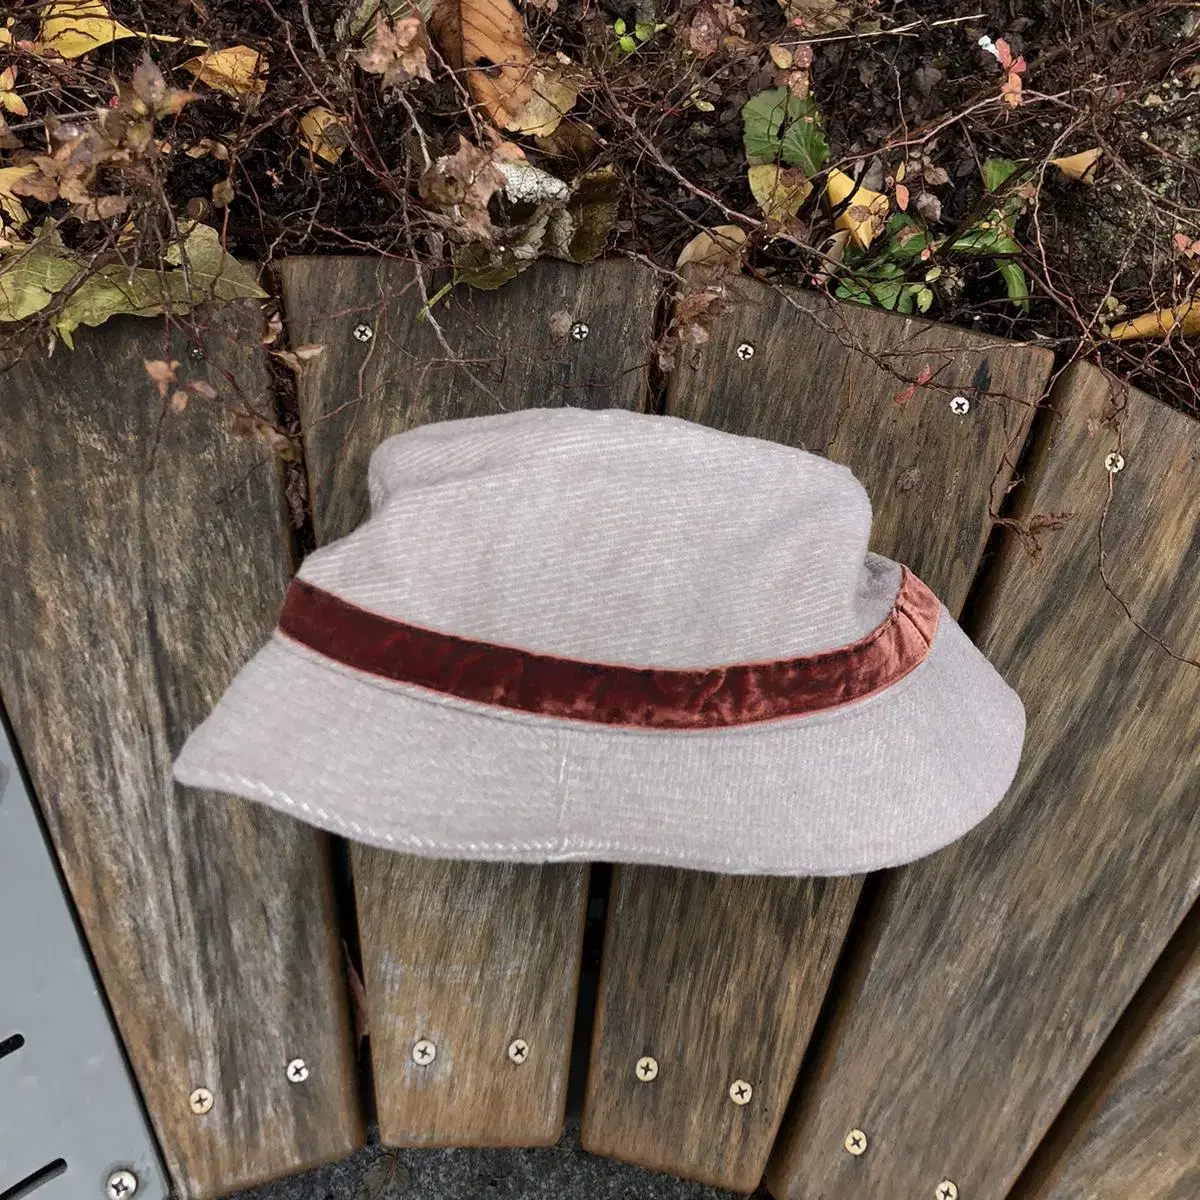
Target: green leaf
{"type": "Point", "coordinates": [776, 125]}
{"type": "Point", "coordinates": [996, 171]}
{"type": "Point", "coordinates": [627, 44]}
{"type": "Point", "coordinates": [214, 274]}
{"type": "Point", "coordinates": [30, 279]}
{"type": "Point", "coordinates": [887, 294]}
{"type": "Point", "coordinates": [119, 291]}
{"type": "Point", "coordinates": [997, 240]}
{"type": "Point", "coordinates": [924, 299]}
{"type": "Point", "coordinates": [1015, 283]}
{"type": "Point", "coordinates": [619, 26]}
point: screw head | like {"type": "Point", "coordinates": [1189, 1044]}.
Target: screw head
{"type": "Point", "coordinates": [579, 331]}
{"type": "Point", "coordinates": [960, 406]}
{"type": "Point", "coordinates": [856, 1142]}
{"type": "Point", "coordinates": [947, 1190]}
{"type": "Point", "coordinates": [363, 332]}
{"type": "Point", "coordinates": [424, 1052]}
{"type": "Point", "coordinates": [745, 352]}
{"type": "Point", "coordinates": [647, 1069]}
{"type": "Point", "coordinates": [518, 1050]}
{"type": "Point", "coordinates": [196, 353]}
{"type": "Point", "coordinates": [741, 1092]}
{"type": "Point", "coordinates": [121, 1185]}
{"type": "Point", "coordinates": [297, 1070]}
{"type": "Point", "coordinates": [201, 1101]}
{"type": "Point", "coordinates": [1114, 462]}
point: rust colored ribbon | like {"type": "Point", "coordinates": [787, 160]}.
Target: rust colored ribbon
{"type": "Point", "coordinates": [608, 694]}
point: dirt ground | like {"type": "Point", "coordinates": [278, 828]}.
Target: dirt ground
{"type": "Point", "coordinates": [914, 101]}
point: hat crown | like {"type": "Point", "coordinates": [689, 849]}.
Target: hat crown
{"type": "Point", "coordinates": [613, 537]}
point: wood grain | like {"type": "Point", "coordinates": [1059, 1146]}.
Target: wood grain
{"type": "Point", "coordinates": [722, 978]}
{"type": "Point", "coordinates": [1130, 1128]}
{"type": "Point", "coordinates": [143, 557]}
{"type": "Point", "coordinates": [995, 969]}
{"type": "Point", "coordinates": [470, 956]}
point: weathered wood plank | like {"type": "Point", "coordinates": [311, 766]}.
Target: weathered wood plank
{"type": "Point", "coordinates": [721, 978]}
{"type": "Point", "coordinates": [996, 968]}
{"type": "Point", "coordinates": [1130, 1129]}
{"type": "Point", "coordinates": [470, 956]}
{"type": "Point", "coordinates": [143, 558]}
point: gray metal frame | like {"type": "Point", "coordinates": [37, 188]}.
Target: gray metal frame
{"type": "Point", "coordinates": [66, 1095]}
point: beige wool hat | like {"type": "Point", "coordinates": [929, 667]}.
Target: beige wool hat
{"type": "Point", "coordinates": [566, 635]}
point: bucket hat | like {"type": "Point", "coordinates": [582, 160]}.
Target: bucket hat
{"type": "Point", "coordinates": [573, 635]}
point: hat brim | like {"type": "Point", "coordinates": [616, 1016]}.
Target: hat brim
{"type": "Point", "coordinates": [872, 784]}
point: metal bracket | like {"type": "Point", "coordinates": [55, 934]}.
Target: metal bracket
{"type": "Point", "coordinates": [71, 1121]}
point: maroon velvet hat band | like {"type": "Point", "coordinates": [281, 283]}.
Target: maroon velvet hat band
{"type": "Point", "coordinates": [609, 694]}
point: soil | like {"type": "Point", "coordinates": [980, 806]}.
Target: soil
{"type": "Point", "coordinates": [909, 81]}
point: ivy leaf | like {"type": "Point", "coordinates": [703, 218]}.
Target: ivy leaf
{"type": "Point", "coordinates": [118, 291]}
{"type": "Point", "coordinates": [777, 125]}
{"type": "Point", "coordinates": [30, 279]}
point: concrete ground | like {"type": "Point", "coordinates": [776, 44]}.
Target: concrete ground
{"type": "Point", "coordinates": [562, 1172]}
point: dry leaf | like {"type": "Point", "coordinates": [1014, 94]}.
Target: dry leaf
{"type": "Point", "coordinates": [866, 213]}
{"type": "Point", "coordinates": [712, 248]}
{"type": "Point", "coordinates": [162, 373]}
{"type": "Point", "coordinates": [1183, 317]}
{"type": "Point", "coordinates": [237, 71]}
{"type": "Point", "coordinates": [560, 324]}
{"type": "Point", "coordinates": [817, 16]}
{"type": "Point", "coordinates": [274, 329]}
{"type": "Point", "coordinates": [779, 190]}
{"type": "Point", "coordinates": [205, 146]}
{"type": "Point", "coordinates": [295, 359]}
{"type": "Point", "coordinates": [222, 193]}
{"type": "Point", "coordinates": [487, 38]}
{"type": "Point", "coordinates": [201, 388]}
{"type": "Point", "coordinates": [781, 56]}
{"type": "Point", "coordinates": [462, 184]}
{"type": "Point", "coordinates": [323, 133]}
{"type": "Point", "coordinates": [179, 400]}
{"type": "Point", "coordinates": [9, 100]}
{"type": "Point", "coordinates": [714, 24]}
{"type": "Point", "coordinates": [1081, 166]}
{"type": "Point", "coordinates": [12, 209]}
{"type": "Point", "coordinates": [399, 51]}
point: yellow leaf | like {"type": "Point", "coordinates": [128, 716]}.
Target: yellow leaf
{"type": "Point", "coordinates": [323, 133]}
{"type": "Point", "coordinates": [779, 191]}
{"type": "Point", "coordinates": [864, 216]}
{"type": "Point", "coordinates": [73, 27]}
{"type": "Point", "coordinates": [551, 99]}
{"type": "Point", "coordinates": [10, 206]}
{"type": "Point", "coordinates": [1081, 166]}
{"type": "Point", "coordinates": [712, 247]}
{"type": "Point", "coordinates": [1185, 317]}
{"type": "Point", "coordinates": [237, 71]}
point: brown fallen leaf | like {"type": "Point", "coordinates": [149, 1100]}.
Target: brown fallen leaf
{"type": "Point", "coordinates": [1183, 317]}
{"type": "Point", "coordinates": [1081, 166]}
{"type": "Point", "coordinates": [712, 248]}
{"type": "Point", "coordinates": [323, 133]}
{"type": "Point", "coordinates": [399, 52]}
{"type": "Point", "coordinates": [817, 16]}
{"type": "Point", "coordinates": [238, 71]}
{"type": "Point", "coordinates": [713, 25]}
{"type": "Point", "coordinates": [486, 38]}
{"type": "Point", "coordinates": [461, 185]}
{"type": "Point", "coordinates": [560, 324]}
{"type": "Point", "coordinates": [161, 373]}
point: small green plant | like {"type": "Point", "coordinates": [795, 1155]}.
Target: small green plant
{"type": "Point", "coordinates": [896, 273]}
{"type": "Point", "coordinates": [642, 32]}
{"type": "Point", "coordinates": [778, 127]}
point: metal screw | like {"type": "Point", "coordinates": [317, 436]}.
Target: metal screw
{"type": "Point", "coordinates": [947, 1190]}
{"type": "Point", "coordinates": [579, 331]}
{"type": "Point", "coordinates": [518, 1050]}
{"type": "Point", "coordinates": [740, 1092]}
{"type": "Point", "coordinates": [960, 406]}
{"type": "Point", "coordinates": [856, 1142]}
{"type": "Point", "coordinates": [647, 1069]}
{"type": "Point", "coordinates": [745, 352]}
{"type": "Point", "coordinates": [121, 1185]}
{"type": "Point", "coordinates": [196, 353]}
{"type": "Point", "coordinates": [363, 332]}
{"type": "Point", "coordinates": [297, 1070]}
{"type": "Point", "coordinates": [1114, 462]}
{"type": "Point", "coordinates": [424, 1052]}
{"type": "Point", "coordinates": [201, 1101]}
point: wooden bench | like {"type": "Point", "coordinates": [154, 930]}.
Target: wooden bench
{"type": "Point", "coordinates": [1016, 1015]}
